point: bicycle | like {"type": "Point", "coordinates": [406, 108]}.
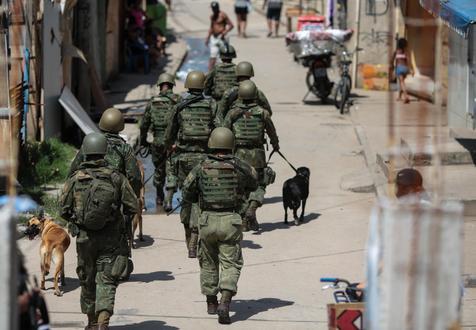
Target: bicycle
{"type": "Point", "coordinates": [344, 86]}
{"type": "Point", "coordinates": [350, 292]}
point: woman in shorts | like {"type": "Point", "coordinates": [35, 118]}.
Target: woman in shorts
{"type": "Point", "coordinates": [401, 60]}
{"type": "Point", "coordinates": [273, 15]}
{"type": "Point", "coordinates": [241, 11]}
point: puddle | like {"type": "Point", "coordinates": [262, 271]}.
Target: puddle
{"type": "Point", "coordinates": [150, 192]}
{"type": "Point", "coordinates": [197, 57]}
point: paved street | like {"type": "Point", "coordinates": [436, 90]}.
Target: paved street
{"type": "Point", "coordinates": [279, 286]}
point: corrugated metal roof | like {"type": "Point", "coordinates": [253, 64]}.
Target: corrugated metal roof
{"type": "Point", "coordinates": [458, 14]}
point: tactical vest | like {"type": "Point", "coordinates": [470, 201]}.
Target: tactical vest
{"type": "Point", "coordinates": [249, 128]}
{"type": "Point", "coordinates": [196, 122]}
{"type": "Point", "coordinates": [225, 77]}
{"type": "Point", "coordinates": [114, 155]}
{"type": "Point", "coordinates": [95, 198]}
{"type": "Point", "coordinates": [161, 107]}
{"type": "Point", "coordinates": [219, 186]}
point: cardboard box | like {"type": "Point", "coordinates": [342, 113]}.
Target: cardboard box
{"type": "Point", "coordinates": [348, 316]}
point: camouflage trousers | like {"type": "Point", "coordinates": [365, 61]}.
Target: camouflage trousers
{"type": "Point", "coordinates": [159, 158]}
{"type": "Point", "coordinates": [181, 164]}
{"type": "Point", "coordinates": [219, 251]}
{"type": "Point", "coordinates": [99, 270]}
{"type": "Point", "coordinates": [256, 157]}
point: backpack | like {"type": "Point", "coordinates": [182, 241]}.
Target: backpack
{"type": "Point", "coordinates": [95, 198]}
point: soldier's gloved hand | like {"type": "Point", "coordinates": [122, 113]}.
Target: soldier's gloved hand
{"type": "Point", "coordinates": [276, 147]}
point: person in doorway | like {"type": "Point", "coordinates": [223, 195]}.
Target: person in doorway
{"type": "Point", "coordinates": [220, 25]}
{"type": "Point", "coordinates": [241, 11]}
{"type": "Point", "coordinates": [402, 64]}
{"type": "Point", "coordinates": [273, 15]}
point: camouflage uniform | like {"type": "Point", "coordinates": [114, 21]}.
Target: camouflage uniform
{"type": "Point", "coordinates": [190, 125]}
{"type": "Point", "coordinates": [249, 122]}
{"type": "Point", "coordinates": [120, 156]}
{"type": "Point", "coordinates": [156, 118]}
{"type": "Point", "coordinates": [102, 253]}
{"type": "Point", "coordinates": [219, 184]}
{"type": "Point", "coordinates": [221, 78]}
{"type": "Point", "coordinates": [230, 100]}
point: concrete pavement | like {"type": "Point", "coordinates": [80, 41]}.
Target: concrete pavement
{"type": "Point", "coordinates": [279, 287]}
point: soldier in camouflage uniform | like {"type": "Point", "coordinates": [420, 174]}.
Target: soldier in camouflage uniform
{"type": "Point", "coordinates": [223, 75]}
{"type": "Point", "coordinates": [219, 184]}
{"type": "Point", "coordinates": [249, 122]}
{"type": "Point", "coordinates": [156, 118]}
{"type": "Point", "coordinates": [120, 156]}
{"type": "Point", "coordinates": [244, 71]}
{"type": "Point", "coordinates": [94, 200]}
{"type": "Point", "coordinates": [191, 122]}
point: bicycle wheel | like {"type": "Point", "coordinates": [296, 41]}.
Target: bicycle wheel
{"type": "Point", "coordinates": [338, 94]}
{"type": "Point", "coordinates": [345, 93]}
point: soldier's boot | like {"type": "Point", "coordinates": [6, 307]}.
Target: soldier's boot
{"type": "Point", "coordinates": [159, 201]}
{"type": "Point", "coordinates": [188, 234]}
{"type": "Point", "coordinates": [103, 320]}
{"type": "Point", "coordinates": [91, 322]}
{"type": "Point", "coordinates": [250, 216]}
{"type": "Point", "coordinates": [193, 243]}
{"type": "Point", "coordinates": [212, 305]}
{"type": "Point", "coordinates": [223, 309]}
{"type": "Point", "coordinates": [168, 200]}
{"type": "Point", "coordinates": [245, 226]}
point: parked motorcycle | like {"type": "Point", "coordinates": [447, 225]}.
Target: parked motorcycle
{"type": "Point", "coordinates": [317, 79]}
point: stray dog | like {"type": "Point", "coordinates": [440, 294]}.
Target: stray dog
{"type": "Point", "coordinates": [137, 220]}
{"type": "Point", "coordinates": [295, 191]}
{"type": "Point", "coordinates": [54, 243]}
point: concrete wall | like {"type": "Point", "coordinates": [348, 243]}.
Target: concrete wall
{"type": "Point", "coordinates": [375, 38]}
{"type": "Point", "coordinates": [462, 80]}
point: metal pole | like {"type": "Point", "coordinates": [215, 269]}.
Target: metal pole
{"type": "Point", "coordinates": [355, 59]}
{"type": "Point", "coordinates": [8, 254]}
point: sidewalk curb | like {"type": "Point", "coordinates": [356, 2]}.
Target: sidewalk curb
{"type": "Point", "coordinates": [378, 177]}
{"type": "Point", "coordinates": [177, 60]}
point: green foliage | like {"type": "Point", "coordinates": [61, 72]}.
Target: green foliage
{"type": "Point", "coordinates": [44, 163]}
{"type": "Point", "coordinates": [51, 206]}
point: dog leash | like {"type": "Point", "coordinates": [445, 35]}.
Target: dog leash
{"type": "Point", "coordinates": [282, 156]}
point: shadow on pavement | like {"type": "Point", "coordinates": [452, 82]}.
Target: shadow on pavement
{"type": "Point", "coordinates": [270, 226]}
{"type": "Point", "coordinates": [272, 200]}
{"type": "Point", "coordinates": [245, 309]}
{"type": "Point", "coordinates": [72, 283]}
{"type": "Point", "coordinates": [250, 245]}
{"type": "Point", "coordinates": [146, 325]}
{"type": "Point", "coordinates": [151, 277]}
{"type": "Point", "coordinates": [148, 241]}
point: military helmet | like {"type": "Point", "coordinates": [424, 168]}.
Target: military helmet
{"type": "Point", "coordinates": [247, 90]}
{"type": "Point", "coordinates": [221, 138]}
{"type": "Point", "coordinates": [244, 69]}
{"type": "Point", "coordinates": [111, 121]}
{"type": "Point", "coordinates": [166, 78]}
{"type": "Point", "coordinates": [227, 51]}
{"type": "Point", "coordinates": [195, 80]}
{"type": "Point", "coordinates": [94, 144]}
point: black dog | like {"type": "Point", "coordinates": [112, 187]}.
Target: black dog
{"type": "Point", "coordinates": [296, 190]}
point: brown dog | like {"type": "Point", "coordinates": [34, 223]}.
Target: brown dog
{"type": "Point", "coordinates": [54, 243]}
{"type": "Point", "coordinates": [137, 221]}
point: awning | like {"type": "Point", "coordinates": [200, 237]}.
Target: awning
{"type": "Point", "coordinates": [458, 14]}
